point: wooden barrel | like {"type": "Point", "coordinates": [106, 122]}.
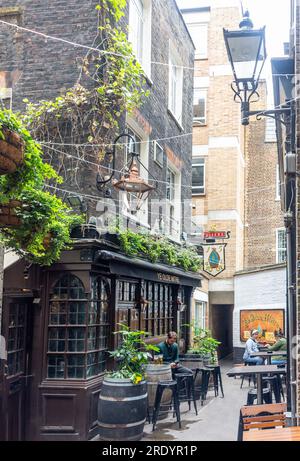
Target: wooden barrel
{"type": "Point", "coordinates": [194, 361]}
{"type": "Point", "coordinates": [154, 374]}
{"type": "Point", "coordinates": [122, 409]}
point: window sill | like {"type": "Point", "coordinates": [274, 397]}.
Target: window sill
{"type": "Point", "coordinates": [198, 194]}
{"type": "Point", "coordinates": [197, 123]}
{"type": "Point", "coordinates": [175, 120]}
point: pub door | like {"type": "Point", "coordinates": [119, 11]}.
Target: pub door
{"type": "Point", "coordinates": [17, 330]}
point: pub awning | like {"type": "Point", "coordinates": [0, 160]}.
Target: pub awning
{"type": "Point", "coordinates": [138, 268]}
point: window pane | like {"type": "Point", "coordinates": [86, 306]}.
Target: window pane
{"type": "Point", "coordinates": [77, 313]}
{"type": "Point", "coordinates": [199, 35]}
{"type": "Point", "coordinates": [56, 340]}
{"type": "Point", "coordinates": [56, 366]}
{"type": "Point", "coordinates": [76, 339]}
{"type": "Point", "coordinates": [200, 105]}
{"type": "Point", "coordinates": [76, 366]}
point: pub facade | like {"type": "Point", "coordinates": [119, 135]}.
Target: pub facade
{"type": "Point", "coordinates": [59, 326]}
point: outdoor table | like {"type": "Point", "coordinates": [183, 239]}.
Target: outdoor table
{"type": "Point", "coordinates": [284, 434]}
{"type": "Point", "coordinates": [268, 355]}
{"type": "Point", "coordinates": [258, 370]}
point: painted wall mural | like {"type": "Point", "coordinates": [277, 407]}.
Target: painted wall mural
{"type": "Point", "coordinates": [266, 321]}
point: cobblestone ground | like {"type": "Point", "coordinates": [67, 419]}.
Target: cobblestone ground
{"type": "Point", "coordinates": [217, 419]}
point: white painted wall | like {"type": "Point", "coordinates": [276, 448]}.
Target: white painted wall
{"type": "Point", "coordinates": [259, 290]}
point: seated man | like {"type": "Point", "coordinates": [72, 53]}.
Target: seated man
{"type": "Point", "coordinates": [169, 350]}
{"type": "Point", "coordinates": [250, 348]}
{"type": "Point", "coordinates": [280, 345]}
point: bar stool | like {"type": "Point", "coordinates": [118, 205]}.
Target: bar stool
{"type": "Point", "coordinates": [216, 371]}
{"type": "Point", "coordinates": [162, 385]}
{"type": "Point", "coordinates": [186, 390]}
{"type": "Point", "coordinates": [250, 376]}
{"type": "Point", "coordinates": [252, 395]}
{"type": "Point", "coordinates": [275, 384]}
{"type": "Point", "coordinates": [203, 388]}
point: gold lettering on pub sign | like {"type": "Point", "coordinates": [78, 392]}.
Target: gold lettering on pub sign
{"type": "Point", "coordinates": [168, 278]}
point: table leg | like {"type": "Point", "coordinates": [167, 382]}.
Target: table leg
{"type": "Point", "coordinates": [259, 388]}
{"type": "Point", "coordinates": [269, 359]}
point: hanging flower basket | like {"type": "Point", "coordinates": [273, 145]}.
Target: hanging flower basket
{"type": "Point", "coordinates": [11, 151]}
{"type": "Point", "coordinates": [8, 216]}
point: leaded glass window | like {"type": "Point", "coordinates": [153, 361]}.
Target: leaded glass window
{"type": "Point", "coordinates": [78, 329]}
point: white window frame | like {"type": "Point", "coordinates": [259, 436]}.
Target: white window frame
{"type": "Point", "coordinates": [157, 147]}
{"type": "Point", "coordinates": [141, 46]}
{"type": "Point", "coordinates": [201, 317]}
{"type": "Point", "coordinates": [174, 204]}
{"type": "Point", "coordinates": [201, 120]}
{"type": "Point", "coordinates": [175, 84]}
{"type": "Point", "coordinates": [277, 186]}
{"type": "Point", "coordinates": [194, 164]}
{"type": "Point", "coordinates": [202, 52]}
{"type": "Point", "coordinates": [280, 249]}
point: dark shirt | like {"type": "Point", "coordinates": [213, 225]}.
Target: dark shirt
{"type": "Point", "coordinates": [169, 352]}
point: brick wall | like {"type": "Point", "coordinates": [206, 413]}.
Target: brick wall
{"type": "Point", "coordinates": [43, 69]}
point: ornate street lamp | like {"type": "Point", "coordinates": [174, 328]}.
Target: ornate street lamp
{"type": "Point", "coordinates": [130, 180]}
{"type": "Point", "coordinates": [246, 50]}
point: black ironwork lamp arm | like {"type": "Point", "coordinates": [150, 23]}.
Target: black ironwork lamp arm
{"type": "Point", "coordinates": [272, 113]}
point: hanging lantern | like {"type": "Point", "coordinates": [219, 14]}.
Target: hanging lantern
{"type": "Point", "coordinates": [136, 188]}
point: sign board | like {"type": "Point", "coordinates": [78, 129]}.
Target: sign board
{"type": "Point", "coordinates": [214, 258]}
{"type": "Point", "coordinates": [266, 321]}
{"type": "Point", "coordinates": [215, 235]}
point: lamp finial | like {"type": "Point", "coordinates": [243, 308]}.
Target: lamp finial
{"type": "Point", "coordinates": [246, 23]}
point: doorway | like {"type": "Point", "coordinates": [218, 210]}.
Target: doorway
{"type": "Point", "coordinates": [222, 328]}
{"type": "Point", "coordinates": [17, 331]}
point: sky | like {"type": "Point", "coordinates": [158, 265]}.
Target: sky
{"type": "Point", "coordinates": [274, 14]}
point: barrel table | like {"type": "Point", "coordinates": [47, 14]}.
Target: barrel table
{"type": "Point", "coordinates": [122, 410]}
{"type": "Point", "coordinates": [154, 374]}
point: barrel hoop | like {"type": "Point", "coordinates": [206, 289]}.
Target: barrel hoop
{"type": "Point", "coordinates": [123, 399]}
{"type": "Point", "coordinates": [122, 384]}
{"type": "Point", "coordinates": [120, 426]}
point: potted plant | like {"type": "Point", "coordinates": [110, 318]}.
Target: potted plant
{"type": "Point", "coordinates": [203, 350]}
{"type": "Point", "coordinates": [122, 409]}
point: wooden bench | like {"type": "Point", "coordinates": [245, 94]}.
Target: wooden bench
{"type": "Point", "coordinates": [262, 417]}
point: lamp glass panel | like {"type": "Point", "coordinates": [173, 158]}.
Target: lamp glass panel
{"type": "Point", "coordinates": [244, 53]}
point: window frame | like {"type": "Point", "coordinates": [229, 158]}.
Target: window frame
{"type": "Point", "coordinates": [175, 102]}
{"type": "Point", "coordinates": [144, 57]}
{"type": "Point", "coordinates": [200, 120]}
{"type": "Point", "coordinates": [277, 185]}
{"type": "Point", "coordinates": [201, 320]}
{"type": "Point", "coordinates": [200, 54]}
{"type": "Point", "coordinates": [157, 145]}
{"type": "Point", "coordinates": [280, 249]}
{"type": "Point", "coordinates": [197, 165]}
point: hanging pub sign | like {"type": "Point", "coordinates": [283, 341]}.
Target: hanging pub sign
{"type": "Point", "coordinates": [214, 258]}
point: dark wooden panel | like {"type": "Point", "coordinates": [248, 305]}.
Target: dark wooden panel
{"type": "Point", "coordinates": [59, 412]}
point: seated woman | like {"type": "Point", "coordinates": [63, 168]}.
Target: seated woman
{"type": "Point", "coordinates": [280, 345]}
{"type": "Point", "coordinates": [250, 348]}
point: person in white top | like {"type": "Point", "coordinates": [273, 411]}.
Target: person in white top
{"type": "Point", "coordinates": [250, 348]}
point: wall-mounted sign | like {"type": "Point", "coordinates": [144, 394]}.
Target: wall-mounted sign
{"type": "Point", "coordinates": [214, 258]}
{"type": "Point", "coordinates": [216, 235]}
{"type": "Point", "coordinates": [266, 321]}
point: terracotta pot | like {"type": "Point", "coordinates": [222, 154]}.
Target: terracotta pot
{"type": "Point", "coordinates": [8, 216]}
{"type": "Point", "coordinates": [11, 152]}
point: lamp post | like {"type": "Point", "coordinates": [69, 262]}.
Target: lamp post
{"type": "Point", "coordinates": [129, 180]}
{"type": "Point", "coordinates": [246, 51]}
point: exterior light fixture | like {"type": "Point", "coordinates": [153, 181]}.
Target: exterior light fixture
{"type": "Point", "coordinates": [246, 49]}
{"type": "Point", "coordinates": [130, 180]}
{"type": "Point", "coordinates": [76, 201]}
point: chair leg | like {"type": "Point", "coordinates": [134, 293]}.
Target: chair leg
{"type": "Point", "coordinates": [221, 384]}
{"type": "Point", "coordinates": [156, 407]}
{"type": "Point", "coordinates": [242, 382]}
{"type": "Point", "coordinates": [193, 396]}
{"type": "Point", "coordinates": [176, 405]}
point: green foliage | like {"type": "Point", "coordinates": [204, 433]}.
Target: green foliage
{"type": "Point", "coordinates": [157, 248]}
{"type": "Point", "coordinates": [132, 355]}
{"type": "Point", "coordinates": [203, 343]}
{"type": "Point", "coordinates": [118, 83]}
{"type": "Point", "coordinates": [42, 214]}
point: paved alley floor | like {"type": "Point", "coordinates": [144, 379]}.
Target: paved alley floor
{"type": "Point", "coordinates": [217, 419]}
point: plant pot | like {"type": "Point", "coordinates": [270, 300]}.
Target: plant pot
{"type": "Point", "coordinates": [8, 216]}
{"type": "Point", "coordinates": [11, 152]}
{"type": "Point", "coordinates": [122, 410]}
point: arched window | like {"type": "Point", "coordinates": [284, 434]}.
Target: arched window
{"type": "Point", "coordinates": [76, 343]}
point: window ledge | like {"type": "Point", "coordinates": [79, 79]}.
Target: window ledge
{"type": "Point", "coordinates": [158, 163]}
{"type": "Point", "coordinates": [198, 194]}
{"type": "Point", "coordinates": [175, 120]}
